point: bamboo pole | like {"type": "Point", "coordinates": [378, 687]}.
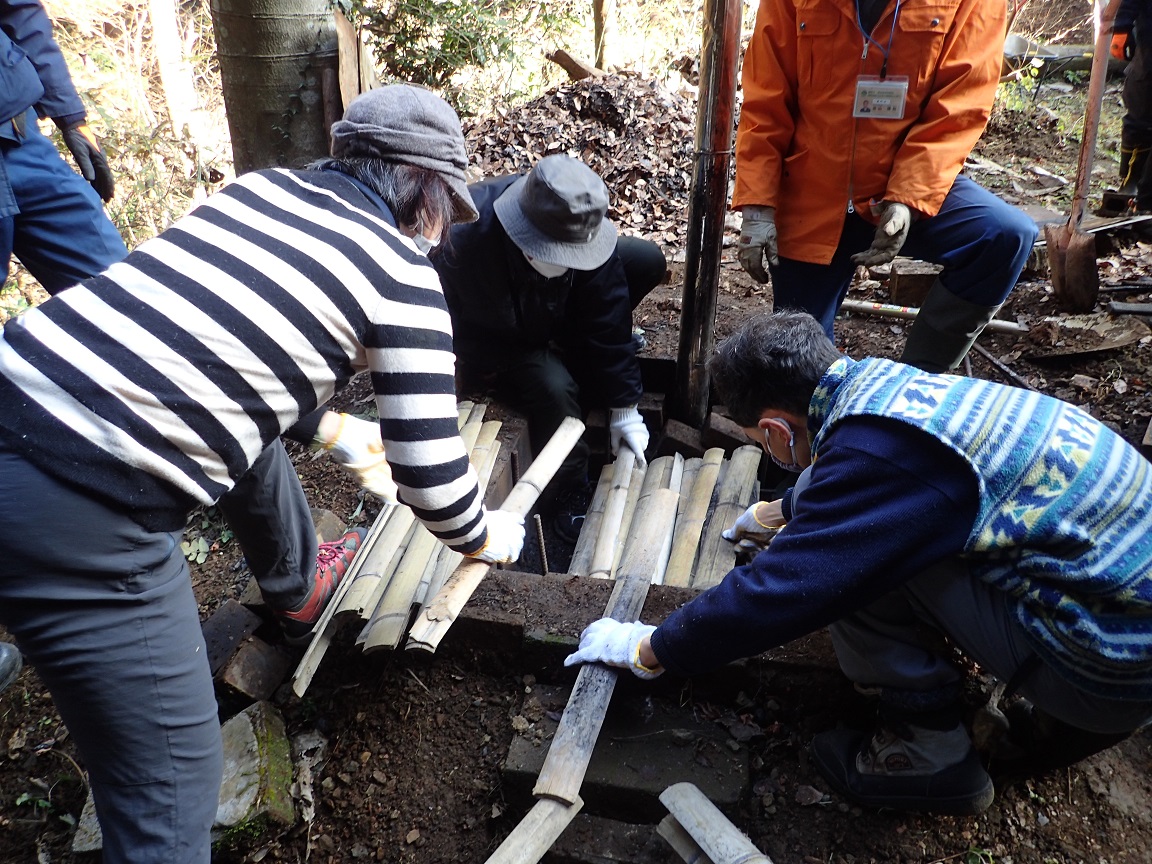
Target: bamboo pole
{"type": "Point", "coordinates": [534, 836]}
{"type": "Point", "coordinates": [690, 524]}
{"type": "Point", "coordinates": [437, 616]}
{"type": "Point", "coordinates": [717, 555]}
{"type": "Point", "coordinates": [908, 313]}
{"type": "Point", "coordinates": [568, 756]}
{"type": "Point", "coordinates": [681, 841]}
{"type": "Point", "coordinates": [635, 488]}
{"type": "Point", "coordinates": [586, 543]}
{"type": "Point", "coordinates": [604, 552]}
{"type": "Point", "coordinates": [717, 837]}
{"type": "Point", "coordinates": [658, 476]}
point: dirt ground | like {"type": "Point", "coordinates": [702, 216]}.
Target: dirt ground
{"type": "Point", "coordinates": [413, 772]}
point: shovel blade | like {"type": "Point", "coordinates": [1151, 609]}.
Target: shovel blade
{"type": "Point", "coordinates": [1072, 267]}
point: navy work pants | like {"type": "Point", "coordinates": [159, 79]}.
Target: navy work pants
{"type": "Point", "coordinates": [50, 217]}
{"type": "Point", "coordinates": [981, 242]}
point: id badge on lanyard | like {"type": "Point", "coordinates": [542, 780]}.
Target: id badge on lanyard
{"type": "Point", "coordinates": [881, 98]}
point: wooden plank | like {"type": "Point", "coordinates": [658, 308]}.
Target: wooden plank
{"type": "Point", "coordinates": [690, 522]}
{"type": "Point", "coordinates": [438, 614]}
{"type": "Point", "coordinates": [225, 630]}
{"type": "Point", "coordinates": [717, 556]}
{"type": "Point", "coordinates": [567, 760]}
{"type": "Point", "coordinates": [719, 839]}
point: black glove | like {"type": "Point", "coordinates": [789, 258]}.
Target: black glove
{"type": "Point", "coordinates": [89, 158]}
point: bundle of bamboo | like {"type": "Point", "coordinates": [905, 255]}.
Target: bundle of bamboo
{"type": "Point", "coordinates": [714, 491]}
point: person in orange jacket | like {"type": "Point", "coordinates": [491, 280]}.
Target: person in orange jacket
{"type": "Point", "coordinates": [1131, 33]}
{"type": "Point", "coordinates": [824, 185]}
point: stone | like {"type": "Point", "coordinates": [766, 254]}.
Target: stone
{"type": "Point", "coordinates": [681, 438]}
{"type": "Point", "coordinates": [87, 837]}
{"type": "Point", "coordinates": [329, 526]}
{"type": "Point", "coordinates": [256, 792]}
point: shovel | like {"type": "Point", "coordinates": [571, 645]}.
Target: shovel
{"type": "Point", "coordinates": [1072, 252]}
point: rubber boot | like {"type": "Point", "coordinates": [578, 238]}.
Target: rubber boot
{"type": "Point", "coordinates": [1133, 164]}
{"type": "Point", "coordinates": [1144, 183]}
{"type": "Point", "coordinates": [944, 330]}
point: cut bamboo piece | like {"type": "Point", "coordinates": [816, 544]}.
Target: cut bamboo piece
{"type": "Point", "coordinates": [681, 841]}
{"type": "Point", "coordinates": [377, 564]}
{"type": "Point", "coordinates": [717, 555]}
{"type": "Point", "coordinates": [534, 836]}
{"type": "Point", "coordinates": [658, 476]}
{"type": "Point", "coordinates": [690, 523]}
{"type": "Point", "coordinates": [567, 760]}
{"type": "Point", "coordinates": [604, 552]}
{"type": "Point", "coordinates": [635, 488]}
{"type": "Point", "coordinates": [437, 616]}
{"type": "Point", "coordinates": [717, 837]}
{"type": "Point", "coordinates": [593, 518]}
{"type": "Point", "coordinates": [691, 469]}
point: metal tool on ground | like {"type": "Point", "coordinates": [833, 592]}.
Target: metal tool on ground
{"type": "Point", "coordinates": [436, 617]}
{"type": "Point", "coordinates": [909, 313]}
{"type": "Point", "coordinates": [1071, 251]}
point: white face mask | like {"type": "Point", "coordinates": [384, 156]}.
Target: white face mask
{"type": "Point", "coordinates": [548, 271]}
{"type": "Point", "coordinates": [423, 243]}
{"type": "Point", "coordinates": [794, 466]}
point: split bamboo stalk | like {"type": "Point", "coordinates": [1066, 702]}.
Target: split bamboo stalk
{"type": "Point", "coordinates": [719, 839]}
{"type": "Point", "coordinates": [658, 476]}
{"type": "Point", "coordinates": [604, 552]}
{"type": "Point", "coordinates": [437, 616]}
{"type": "Point", "coordinates": [690, 524]}
{"type": "Point", "coordinates": [676, 484]}
{"type": "Point", "coordinates": [681, 841]}
{"type": "Point", "coordinates": [691, 469]}
{"type": "Point", "coordinates": [534, 836]}
{"type": "Point", "coordinates": [386, 627]}
{"type": "Point", "coordinates": [568, 756]}
{"type": "Point", "coordinates": [717, 555]}
{"type": "Point", "coordinates": [377, 564]}
{"type": "Point", "coordinates": [586, 542]}
{"type": "Point", "coordinates": [310, 662]}
{"type": "Point", "coordinates": [635, 487]}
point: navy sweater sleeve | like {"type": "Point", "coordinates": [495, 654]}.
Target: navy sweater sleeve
{"type": "Point", "coordinates": [28, 27]}
{"type": "Point", "coordinates": [885, 502]}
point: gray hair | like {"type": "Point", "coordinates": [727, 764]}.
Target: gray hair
{"type": "Point", "coordinates": [772, 362]}
{"type": "Point", "coordinates": [416, 196]}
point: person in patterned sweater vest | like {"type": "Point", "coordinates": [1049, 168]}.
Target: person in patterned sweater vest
{"type": "Point", "coordinates": [1010, 523]}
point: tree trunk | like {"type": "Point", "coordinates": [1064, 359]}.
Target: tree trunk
{"type": "Point", "coordinates": [272, 55]}
{"type": "Point", "coordinates": [604, 22]}
{"type": "Point", "coordinates": [175, 72]}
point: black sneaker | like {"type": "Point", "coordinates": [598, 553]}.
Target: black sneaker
{"type": "Point", "coordinates": [565, 511]}
{"type": "Point", "coordinates": [905, 767]}
{"type": "Point", "coordinates": [1037, 743]}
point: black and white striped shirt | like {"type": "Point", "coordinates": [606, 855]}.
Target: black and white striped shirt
{"type": "Point", "coordinates": [159, 382]}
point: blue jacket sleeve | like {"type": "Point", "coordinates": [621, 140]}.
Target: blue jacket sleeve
{"type": "Point", "coordinates": [885, 502]}
{"type": "Point", "coordinates": [32, 68]}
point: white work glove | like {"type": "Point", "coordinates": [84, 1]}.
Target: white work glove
{"type": "Point", "coordinates": [891, 231]}
{"type": "Point", "coordinates": [505, 537]}
{"type": "Point", "coordinates": [626, 424]}
{"type": "Point", "coordinates": [360, 452]}
{"type": "Point", "coordinates": [756, 527]}
{"type": "Point", "coordinates": [616, 644]}
{"type": "Point", "coordinates": [757, 241]}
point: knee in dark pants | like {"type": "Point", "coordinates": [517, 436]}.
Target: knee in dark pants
{"type": "Point", "coordinates": [644, 266]}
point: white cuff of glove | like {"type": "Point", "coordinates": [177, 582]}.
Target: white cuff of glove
{"type": "Point", "coordinates": [614, 643]}
{"type": "Point", "coordinates": [626, 424]}
{"type": "Point", "coordinates": [505, 537]}
{"type": "Point", "coordinates": [749, 525]}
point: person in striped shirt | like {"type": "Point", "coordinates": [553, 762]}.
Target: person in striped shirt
{"type": "Point", "coordinates": [164, 383]}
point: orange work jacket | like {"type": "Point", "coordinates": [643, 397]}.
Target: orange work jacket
{"type": "Point", "coordinates": [798, 147]}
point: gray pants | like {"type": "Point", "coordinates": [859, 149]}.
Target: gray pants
{"type": "Point", "coordinates": [886, 644]}
{"type": "Point", "coordinates": [104, 610]}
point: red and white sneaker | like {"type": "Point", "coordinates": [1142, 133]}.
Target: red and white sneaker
{"type": "Point", "coordinates": [332, 562]}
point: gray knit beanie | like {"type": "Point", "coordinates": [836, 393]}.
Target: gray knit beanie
{"type": "Point", "coordinates": [411, 126]}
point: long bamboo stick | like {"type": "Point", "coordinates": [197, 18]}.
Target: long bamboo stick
{"type": "Point", "coordinates": [437, 616]}
{"type": "Point", "coordinates": [690, 524]}
{"type": "Point", "coordinates": [719, 839]}
{"type": "Point", "coordinates": [604, 552]}
{"type": "Point", "coordinates": [635, 488]}
{"type": "Point", "coordinates": [568, 756]}
{"type": "Point", "coordinates": [536, 833]}
{"type": "Point", "coordinates": [717, 555]}
{"type": "Point", "coordinates": [658, 476]}
{"type": "Point", "coordinates": [586, 543]}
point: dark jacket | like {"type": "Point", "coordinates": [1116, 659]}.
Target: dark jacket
{"type": "Point", "coordinates": [1136, 13]}
{"type": "Point", "coordinates": [32, 69]}
{"type": "Point", "coordinates": [502, 308]}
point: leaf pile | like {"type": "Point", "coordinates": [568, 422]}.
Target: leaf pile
{"type": "Point", "coordinates": [634, 133]}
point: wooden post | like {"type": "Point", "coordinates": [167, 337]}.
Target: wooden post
{"type": "Point", "coordinates": [715, 111]}
{"type": "Point", "coordinates": [567, 760]}
{"type": "Point", "coordinates": [720, 840]}
{"type": "Point", "coordinates": [437, 616]}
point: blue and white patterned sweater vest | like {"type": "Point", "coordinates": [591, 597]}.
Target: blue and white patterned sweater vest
{"type": "Point", "coordinates": [1065, 518]}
